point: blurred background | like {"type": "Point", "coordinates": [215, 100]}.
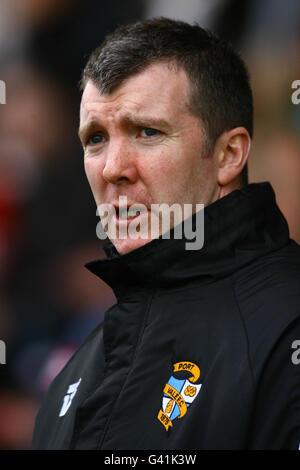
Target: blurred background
{"type": "Point", "coordinates": [48, 301]}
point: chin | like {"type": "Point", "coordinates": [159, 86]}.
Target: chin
{"type": "Point", "coordinates": [126, 246]}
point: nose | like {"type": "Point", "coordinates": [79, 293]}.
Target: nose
{"type": "Point", "coordinates": [119, 165]}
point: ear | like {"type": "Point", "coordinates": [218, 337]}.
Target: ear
{"type": "Point", "coordinates": [231, 153]}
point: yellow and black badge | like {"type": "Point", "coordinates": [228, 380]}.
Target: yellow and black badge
{"type": "Point", "coordinates": [179, 394]}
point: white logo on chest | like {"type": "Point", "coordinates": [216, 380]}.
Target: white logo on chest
{"type": "Point", "coordinates": [69, 397]}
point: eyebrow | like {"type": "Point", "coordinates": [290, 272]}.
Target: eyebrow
{"type": "Point", "coordinates": [89, 127]}
{"type": "Point", "coordinates": [139, 121]}
{"type": "Point", "coordinates": [146, 121]}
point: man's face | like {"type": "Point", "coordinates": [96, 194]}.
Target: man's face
{"type": "Point", "coordinates": [142, 142]}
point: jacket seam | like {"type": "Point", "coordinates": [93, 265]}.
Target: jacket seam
{"type": "Point", "coordinates": [245, 332]}
{"type": "Point", "coordinates": [106, 427]}
{"type": "Point", "coordinates": [248, 432]}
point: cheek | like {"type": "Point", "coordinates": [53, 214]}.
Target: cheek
{"type": "Point", "coordinates": [179, 173]}
{"type": "Point", "coordinates": [158, 168]}
{"type": "Point", "coordinates": [162, 175]}
{"type": "Point", "coordinates": [93, 171]}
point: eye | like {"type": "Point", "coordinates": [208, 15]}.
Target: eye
{"type": "Point", "coordinates": [149, 132]}
{"type": "Point", "coordinates": [95, 139]}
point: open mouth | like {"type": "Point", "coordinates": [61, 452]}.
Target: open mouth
{"type": "Point", "coordinates": [128, 213]}
{"type": "Point", "coordinates": [124, 213]}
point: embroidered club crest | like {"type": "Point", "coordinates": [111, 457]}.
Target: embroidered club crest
{"type": "Point", "coordinates": [179, 394]}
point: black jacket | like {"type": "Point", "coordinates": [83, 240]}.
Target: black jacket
{"type": "Point", "coordinates": [197, 353]}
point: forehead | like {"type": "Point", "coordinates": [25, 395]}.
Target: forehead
{"type": "Point", "coordinates": [160, 88]}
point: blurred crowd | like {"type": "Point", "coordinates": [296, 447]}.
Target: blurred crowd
{"type": "Point", "coordinates": [48, 301]}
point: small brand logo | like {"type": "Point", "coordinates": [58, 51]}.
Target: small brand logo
{"type": "Point", "coordinates": [69, 397]}
{"type": "Point", "coordinates": [179, 394]}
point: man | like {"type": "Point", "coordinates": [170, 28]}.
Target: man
{"type": "Point", "coordinates": [200, 352]}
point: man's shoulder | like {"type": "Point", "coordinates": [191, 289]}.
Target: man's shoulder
{"type": "Point", "coordinates": [271, 280]}
{"type": "Point", "coordinates": [78, 376]}
{"type": "Point", "coordinates": [268, 297]}
{"type": "Point", "coordinates": [85, 354]}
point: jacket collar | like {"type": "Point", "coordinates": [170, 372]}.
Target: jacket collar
{"type": "Point", "coordinates": [238, 228]}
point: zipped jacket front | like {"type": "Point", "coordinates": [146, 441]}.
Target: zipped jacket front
{"type": "Point", "coordinates": [197, 353]}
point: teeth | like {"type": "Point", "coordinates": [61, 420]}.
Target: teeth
{"type": "Point", "coordinates": [124, 214]}
{"type": "Point", "coordinates": [134, 214]}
